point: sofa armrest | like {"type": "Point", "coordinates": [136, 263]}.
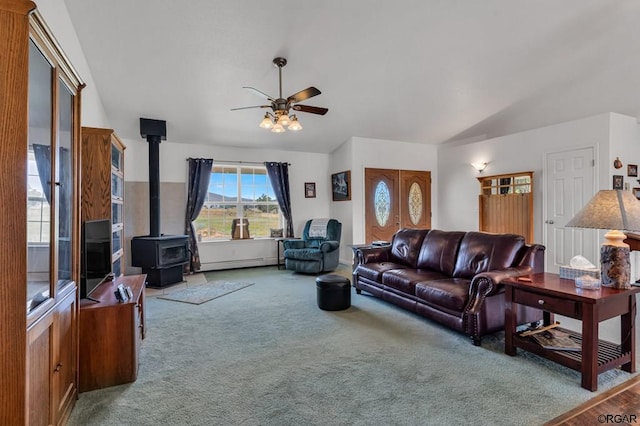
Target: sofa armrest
{"type": "Point", "coordinates": [328, 246]}
{"type": "Point", "coordinates": [293, 244]}
{"type": "Point", "coordinates": [486, 284]}
{"type": "Point", "coordinates": [372, 254]}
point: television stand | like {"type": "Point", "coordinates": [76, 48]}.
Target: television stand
{"type": "Point", "coordinates": [111, 334]}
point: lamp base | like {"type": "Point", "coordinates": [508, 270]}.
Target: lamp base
{"type": "Point", "coordinates": [615, 266]}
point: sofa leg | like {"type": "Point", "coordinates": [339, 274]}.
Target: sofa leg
{"type": "Point", "coordinates": [476, 340]}
{"type": "Point", "coordinates": [358, 291]}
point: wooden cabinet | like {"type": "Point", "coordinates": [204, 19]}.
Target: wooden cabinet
{"type": "Point", "coordinates": [103, 186]}
{"type": "Point", "coordinates": [111, 335]}
{"type": "Point", "coordinates": [40, 219]}
{"type": "Point", "coordinates": [52, 362]}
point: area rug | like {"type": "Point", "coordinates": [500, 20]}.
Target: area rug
{"type": "Point", "coordinates": [203, 293]}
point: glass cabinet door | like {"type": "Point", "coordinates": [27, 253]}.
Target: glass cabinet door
{"type": "Point", "coordinates": [39, 178]}
{"type": "Point", "coordinates": [50, 176]}
{"type": "Point", "coordinates": [64, 185]}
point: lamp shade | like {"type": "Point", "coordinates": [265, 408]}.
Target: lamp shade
{"type": "Point", "coordinates": [609, 209]}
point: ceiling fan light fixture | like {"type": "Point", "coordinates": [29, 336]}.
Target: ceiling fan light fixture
{"type": "Point", "coordinates": [278, 118]}
{"type": "Point", "coordinates": [284, 120]}
{"type": "Point", "coordinates": [295, 124]}
{"type": "Point", "coordinates": [266, 122]}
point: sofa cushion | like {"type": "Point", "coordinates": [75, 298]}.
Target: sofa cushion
{"type": "Point", "coordinates": [406, 246]}
{"type": "Point", "coordinates": [405, 279]}
{"type": "Point", "coordinates": [481, 252]}
{"type": "Point", "coordinates": [439, 250]}
{"type": "Point", "coordinates": [303, 254]}
{"type": "Point", "coordinates": [374, 271]}
{"type": "Point", "coordinates": [451, 293]}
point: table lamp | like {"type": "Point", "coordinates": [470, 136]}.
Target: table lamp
{"type": "Point", "coordinates": [618, 211]}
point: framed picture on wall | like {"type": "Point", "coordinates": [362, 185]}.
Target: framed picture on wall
{"type": "Point", "coordinates": [618, 182]}
{"type": "Point", "coordinates": [309, 190]}
{"type": "Point", "coordinates": [632, 170]}
{"type": "Point", "coordinates": [341, 186]}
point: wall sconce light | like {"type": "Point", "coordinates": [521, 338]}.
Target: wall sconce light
{"type": "Point", "coordinates": [480, 166]}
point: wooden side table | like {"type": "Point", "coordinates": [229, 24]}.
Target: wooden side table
{"type": "Point", "coordinates": [555, 295]}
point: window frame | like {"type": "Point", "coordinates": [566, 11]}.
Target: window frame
{"type": "Point", "coordinates": [237, 201]}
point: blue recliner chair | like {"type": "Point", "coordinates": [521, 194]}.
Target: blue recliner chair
{"type": "Point", "coordinates": [317, 251]}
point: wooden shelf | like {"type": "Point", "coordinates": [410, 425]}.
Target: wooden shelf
{"type": "Point", "coordinates": [609, 354]}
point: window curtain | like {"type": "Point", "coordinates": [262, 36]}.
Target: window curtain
{"type": "Point", "coordinates": [42, 154]}
{"type": "Point", "coordinates": [279, 177]}
{"type": "Point", "coordinates": [199, 174]}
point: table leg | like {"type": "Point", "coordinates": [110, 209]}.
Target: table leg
{"type": "Point", "coordinates": [510, 321]}
{"type": "Point", "coordinates": [590, 333]}
{"type": "Point", "coordinates": [278, 243]}
{"type": "Point", "coordinates": [628, 335]}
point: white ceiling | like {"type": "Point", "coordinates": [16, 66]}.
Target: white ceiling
{"type": "Point", "coordinates": [426, 71]}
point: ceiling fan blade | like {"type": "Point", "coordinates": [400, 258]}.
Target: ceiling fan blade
{"type": "Point", "coordinates": [255, 106]}
{"type": "Point", "coordinates": [305, 94]}
{"type": "Point", "coordinates": [311, 109]}
{"type": "Point", "coordinates": [259, 92]}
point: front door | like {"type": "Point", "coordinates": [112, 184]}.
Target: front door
{"type": "Point", "coordinates": [382, 212]}
{"type": "Point", "coordinates": [569, 185]}
{"type": "Point", "coordinates": [395, 199]}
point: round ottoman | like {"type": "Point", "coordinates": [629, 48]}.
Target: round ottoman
{"type": "Point", "coordinates": [334, 292]}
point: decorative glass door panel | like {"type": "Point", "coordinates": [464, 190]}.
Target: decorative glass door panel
{"type": "Point", "coordinates": [415, 192]}
{"type": "Point", "coordinates": [381, 204]}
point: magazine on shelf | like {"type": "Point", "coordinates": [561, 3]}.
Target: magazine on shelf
{"type": "Point", "coordinates": [556, 340]}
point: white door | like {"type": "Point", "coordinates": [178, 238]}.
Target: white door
{"type": "Point", "coordinates": [569, 185]}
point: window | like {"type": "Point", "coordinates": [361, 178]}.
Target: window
{"type": "Point", "coordinates": [238, 192]}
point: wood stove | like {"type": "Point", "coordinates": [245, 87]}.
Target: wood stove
{"type": "Point", "coordinates": [160, 256]}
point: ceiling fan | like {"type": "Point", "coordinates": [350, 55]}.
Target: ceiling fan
{"type": "Point", "coordinates": [279, 118]}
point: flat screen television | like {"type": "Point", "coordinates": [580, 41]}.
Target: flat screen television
{"type": "Point", "coordinates": [96, 255]}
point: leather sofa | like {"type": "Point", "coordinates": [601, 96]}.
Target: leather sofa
{"type": "Point", "coordinates": [451, 277]}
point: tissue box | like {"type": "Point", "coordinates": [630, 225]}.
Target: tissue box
{"type": "Point", "coordinates": [572, 273]}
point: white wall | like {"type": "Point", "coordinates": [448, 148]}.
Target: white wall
{"type": "Point", "coordinates": [359, 153]}
{"type": "Point", "coordinates": [625, 144]}
{"type": "Point", "coordinates": [525, 151]}
{"type": "Point", "coordinates": [305, 167]}
{"type": "Point", "coordinates": [57, 18]}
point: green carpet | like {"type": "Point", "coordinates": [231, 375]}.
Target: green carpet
{"type": "Point", "coordinates": [200, 294]}
{"type": "Point", "coordinates": [268, 356]}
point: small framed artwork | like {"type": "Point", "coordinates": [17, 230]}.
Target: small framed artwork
{"type": "Point", "coordinates": [309, 190]}
{"type": "Point", "coordinates": [636, 193]}
{"type": "Point", "coordinates": [341, 186]}
{"type": "Point", "coordinates": [618, 182]}
{"type": "Point", "coordinates": [632, 170]}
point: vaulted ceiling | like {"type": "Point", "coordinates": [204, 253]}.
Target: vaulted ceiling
{"type": "Point", "coordinates": [424, 71]}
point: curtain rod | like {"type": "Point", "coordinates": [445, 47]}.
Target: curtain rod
{"type": "Point", "coordinates": [238, 162]}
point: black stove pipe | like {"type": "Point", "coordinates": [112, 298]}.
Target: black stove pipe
{"type": "Point", "coordinates": [155, 131]}
{"type": "Point", "coordinates": [154, 185]}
